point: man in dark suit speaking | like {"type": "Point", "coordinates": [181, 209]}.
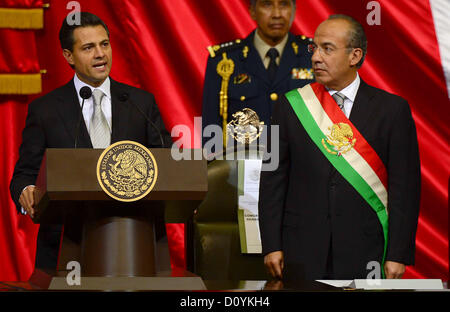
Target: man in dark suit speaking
{"type": "Point", "coordinates": [344, 200]}
{"type": "Point", "coordinates": [61, 119]}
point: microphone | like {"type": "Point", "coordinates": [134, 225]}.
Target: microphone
{"type": "Point", "coordinates": [124, 97]}
{"type": "Point", "coordinates": [85, 93]}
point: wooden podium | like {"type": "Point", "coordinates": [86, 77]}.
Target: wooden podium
{"type": "Point", "coordinates": [113, 241]}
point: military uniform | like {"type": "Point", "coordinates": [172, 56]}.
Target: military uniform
{"type": "Point", "coordinates": [249, 85]}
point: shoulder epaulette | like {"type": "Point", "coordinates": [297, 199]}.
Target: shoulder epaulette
{"type": "Point", "coordinates": [304, 39]}
{"type": "Point", "coordinates": [224, 47]}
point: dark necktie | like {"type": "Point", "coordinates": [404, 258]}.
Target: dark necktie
{"type": "Point", "coordinates": [272, 69]}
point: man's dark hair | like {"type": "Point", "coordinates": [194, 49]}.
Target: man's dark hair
{"type": "Point", "coordinates": [357, 35]}
{"type": "Point", "coordinates": [66, 32]}
{"type": "Point", "coordinates": [253, 2]}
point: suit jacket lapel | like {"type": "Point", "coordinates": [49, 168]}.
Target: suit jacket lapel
{"type": "Point", "coordinates": [120, 113]}
{"type": "Point", "coordinates": [69, 110]}
{"type": "Point", "coordinates": [361, 111]}
{"type": "Point", "coordinates": [362, 108]}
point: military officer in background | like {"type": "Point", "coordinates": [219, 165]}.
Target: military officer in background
{"type": "Point", "coordinates": [247, 76]}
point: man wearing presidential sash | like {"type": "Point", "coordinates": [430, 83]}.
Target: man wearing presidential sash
{"type": "Point", "coordinates": [345, 198]}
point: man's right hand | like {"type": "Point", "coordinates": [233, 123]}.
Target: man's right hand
{"type": "Point", "coordinates": [274, 263]}
{"type": "Point", "coordinates": [26, 200]}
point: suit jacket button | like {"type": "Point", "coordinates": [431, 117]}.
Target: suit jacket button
{"type": "Point", "coordinates": [243, 98]}
{"type": "Point", "coordinates": [274, 96]}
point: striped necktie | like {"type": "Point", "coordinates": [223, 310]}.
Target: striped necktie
{"type": "Point", "coordinates": [339, 98]}
{"type": "Point", "coordinates": [99, 128]}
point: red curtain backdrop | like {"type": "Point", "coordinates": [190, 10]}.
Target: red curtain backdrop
{"type": "Point", "coordinates": [21, 4]}
{"type": "Point", "coordinates": [160, 46]}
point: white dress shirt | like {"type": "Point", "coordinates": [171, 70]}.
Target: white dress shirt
{"type": "Point", "coordinates": [262, 47]}
{"type": "Point", "coordinates": [350, 94]}
{"type": "Point", "coordinates": [88, 108]}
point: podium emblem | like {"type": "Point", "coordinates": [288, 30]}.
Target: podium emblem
{"type": "Point", "coordinates": [127, 171]}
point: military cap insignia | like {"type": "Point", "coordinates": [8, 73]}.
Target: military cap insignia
{"type": "Point", "coordinates": [302, 73]}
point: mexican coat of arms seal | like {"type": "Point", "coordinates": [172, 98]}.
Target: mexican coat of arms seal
{"type": "Point", "coordinates": [127, 171]}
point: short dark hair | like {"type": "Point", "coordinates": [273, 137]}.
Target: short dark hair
{"type": "Point", "coordinates": [253, 2]}
{"type": "Point", "coordinates": [66, 31]}
{"type": "Point", "coordinates": [357, 36]}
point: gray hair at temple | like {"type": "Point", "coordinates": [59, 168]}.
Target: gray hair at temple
{"type": "Point", "coordinates": [357, 35]}
{"type": "Point", "coordinates": [253, 2]}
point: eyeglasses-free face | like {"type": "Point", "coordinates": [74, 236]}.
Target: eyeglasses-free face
{"type": "Point", "coordinates": [334, 63]}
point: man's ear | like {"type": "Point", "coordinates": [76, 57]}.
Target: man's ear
{"type": "Point", "coordinates": [68, 56]}
{"type": "Point", "coordinates": [355, 56]}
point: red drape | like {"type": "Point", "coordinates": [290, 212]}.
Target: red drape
{"type": "Point", "coordinates": [160, 46]}
{"type": "Point", "coordinates": [18, 55]}
{"type": "Point", "coordinates": [21, 4]}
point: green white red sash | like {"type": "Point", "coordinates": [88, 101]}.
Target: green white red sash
{"type": "Point", "coordinates": [345, 148]}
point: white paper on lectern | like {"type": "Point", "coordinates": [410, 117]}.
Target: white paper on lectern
{"type": "Point", "coordinates": [387, 284]}
{"type": "Point", "coordinates": [336, 283]}
{"type": "Point", "coordinates": [252, 172]}
{"type": "Point", "coordinates": [248, 206]}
